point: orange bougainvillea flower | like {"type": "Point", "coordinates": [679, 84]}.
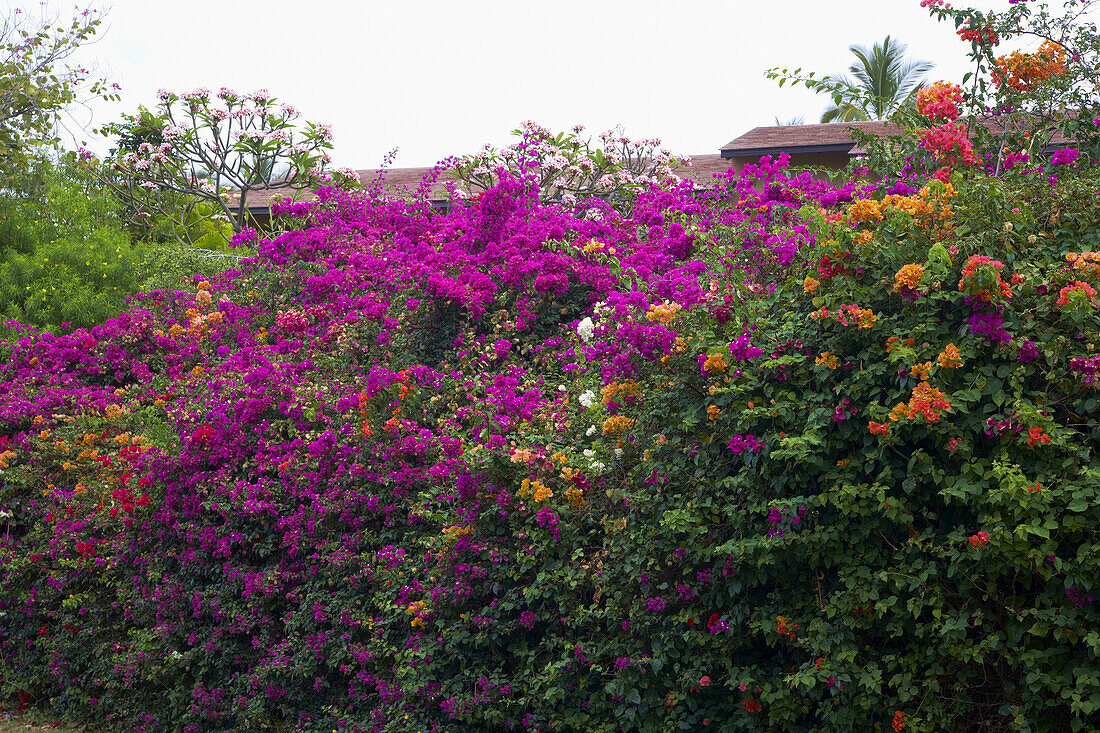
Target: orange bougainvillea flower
{"type": "Point", "coordinates": [949, 357]}
{"type": "Point", "coordinates": [865, 210]}
{"type": "Point", "coordinates": [715, 363]}
{"type": "Point", "coordinates": [663, 312]}
{"type": "Point", "coordinates": [908, 277]}
{"type": "Point", "coordinates": [810, 285]}
{"type": "Point", "coordinates": [1064, 295]}
{"type": "Point", "coordinates": [1021, 71]}
{"type": "Point", "coordinates": [786, 628]}
{"type": "Point", "coordinates": [617, 424]}
{"type": "Point", "coordinates": [879, 428]}
{"type": "Point", "coordinates": [1036, 436]}
{"type": "Point", "coordinates": [927, 401]}
{"type": "Point", "coordinates": [899, 720]}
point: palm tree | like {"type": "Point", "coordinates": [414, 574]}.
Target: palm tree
{"type": "Point", "coordinates": [881, 81]}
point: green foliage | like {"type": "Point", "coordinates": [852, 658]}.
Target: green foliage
{"type": "Point", "coordinates": [66, 258]}
{"type": "Point", "coordinates": [36, 84]}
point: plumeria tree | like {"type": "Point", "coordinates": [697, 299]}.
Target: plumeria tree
{"type": "Point", "coordinates": [204, 154]}
{"type": "Point", "coordinates": [568, 167]}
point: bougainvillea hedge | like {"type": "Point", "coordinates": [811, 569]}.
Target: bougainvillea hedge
{"type": "Point", "coordinates": [769, 454]}
{"type": "Point", "coordinates": [765, 455]}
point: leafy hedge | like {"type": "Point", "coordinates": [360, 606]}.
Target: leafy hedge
{"type": "Point", "coordinates": [769, 454]}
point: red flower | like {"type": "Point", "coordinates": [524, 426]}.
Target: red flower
{"type": "Point", "coordinates": [751, 705]}
{"type": "Point", "coordinates": [704, 681]}
{"type": "Point", "coordinates": [979, 539]}
{"type": "Point", "coordinates": [1036, 435]}
{"type": "Point", "coordinates": [899, 720]}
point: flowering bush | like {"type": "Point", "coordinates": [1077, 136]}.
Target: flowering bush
{"type": "Point", "coordinates": [566, 168]}
{"type": "Point", "coordinates": [707, 460]}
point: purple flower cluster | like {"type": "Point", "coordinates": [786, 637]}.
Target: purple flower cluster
{"type": "Point", "coordinates": [741, 443]}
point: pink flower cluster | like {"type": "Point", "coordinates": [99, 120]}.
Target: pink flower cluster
{"type": "Point", "coordinates": [949, 144]}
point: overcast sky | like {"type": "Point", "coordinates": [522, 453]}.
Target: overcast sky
{"type": "Point", "coordinates": [436, 78]}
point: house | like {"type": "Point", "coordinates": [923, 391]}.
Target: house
{"type": "Point", "coordinates": [828, 146]}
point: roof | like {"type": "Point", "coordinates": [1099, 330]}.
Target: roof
{"type": "Point", "coordinates": [820, 138]}
{"type": "Point", "coordinates": [835, 137]}
{"type": "Point", "coordinates": [702, 169]}
{"type": "Point", "coordinates": [396, 181]}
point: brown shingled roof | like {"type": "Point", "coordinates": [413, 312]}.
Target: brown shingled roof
{"type": "Point", "coordinates": [830, 137]}
{"type": "Point", "coordinates": [397, 180]}
{"type": "Point", "coordinates": [834, 136]}
{"type": "Point", "coordinates": [400, 180]}
{"type": "Point", "coordinates": [703, 168]}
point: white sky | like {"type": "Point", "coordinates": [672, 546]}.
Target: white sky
{"type": "Point", "coordinates": [436, 78]}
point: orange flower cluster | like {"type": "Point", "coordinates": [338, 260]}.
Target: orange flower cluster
{"type": "Point", "coordinates": [786, 628]}
{"type": "Point", "coordinates": [922, 371]}
{"type": "Point", "coordinates": [914, 206]}
{"type": "Point", "coordinates": [1075, 286]}
{"type": "Point", "coordinates": [847, 315]}
{"type": "Point", "coordinates": [827, 360]}
{"type": "Point", "coordinates": [575, 497]}
{"type": "Point", "coordinates": [715, 363]}
{"type": "Point", "coordinates": [663, 312]}
{"type": "Point", "coordinates": [536, 489]}
{"type": "Point", "coordinates": [898, 722]}
{"type": "Point", "coordinates": [981, 276]}
{"type": "Point", "coordinates": [865, 210]}
{"type": "Point", "coordinates": [878, 428]}
{"type": "Point", "coordinates": [712, 412]}
{"type": "Point", "coordinates": [619, 391]}
{"type": "Point", "coordinates": [908, 278]}
{"type": "Point", "coordinates": [810, 285]}
{"type": "Point", "coordinates": [1021, 71]}
{"type": "Point", "coordinates": [949, 358]}
{"type": "Point", "coordinates": [926, 400]}
{"type": "Point", "coordinates": [617, 424]}
{"type": "Point", "coordinates": [455, 531]}
{"type": "Point", "coordinates": [1089, 262]}
{"type": "Point", "coordinates": [418, 610]}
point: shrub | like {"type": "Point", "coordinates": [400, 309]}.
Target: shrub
{"type": "Point", "coordinates": [66, 257]}
{"type": "Point", "coordinates": [771, 454]}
